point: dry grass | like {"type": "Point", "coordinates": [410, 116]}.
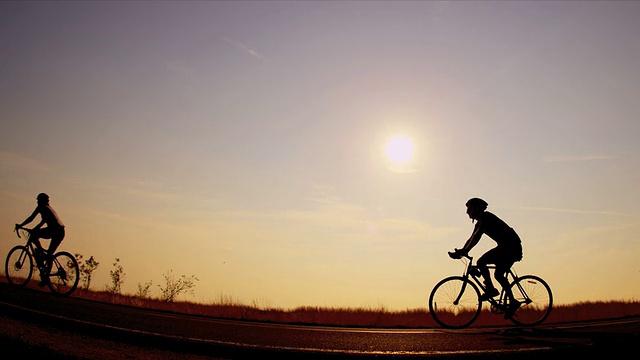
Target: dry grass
{"type": "Point", "coordinates": [228, 308]}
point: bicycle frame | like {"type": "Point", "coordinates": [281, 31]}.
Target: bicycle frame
{"type": "Point", "coordinates": [511, 276]}
{"type": "Point", "coordinates": [32, 248]}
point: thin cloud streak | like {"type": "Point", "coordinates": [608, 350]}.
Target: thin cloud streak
{"type": "Point", "coordinates": [252, 52]}
{"type": "Point", "coordinates": [573, 211]}
{"type": "Point", "coordinates": [18, 161]}
{"type": "Point", "coordinates": [570, 158]}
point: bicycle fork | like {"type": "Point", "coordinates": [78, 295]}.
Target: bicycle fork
{"type": "Point", "coordinates": [457, 300]}
{"type": "Point", "coordinates": [21, 260]}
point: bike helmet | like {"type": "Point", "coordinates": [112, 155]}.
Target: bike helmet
{"type": "Point", "coordinates": [477, 202]}
{"type": "Point", "coordinates": [43, 197]}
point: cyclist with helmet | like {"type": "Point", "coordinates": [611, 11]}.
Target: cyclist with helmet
{"type": "Point", "coordinates": [503, 256]}
{"type": "Point", "coordinates": [54, 230]}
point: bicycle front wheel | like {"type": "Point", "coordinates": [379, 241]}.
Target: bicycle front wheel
{"type": "Point", "coordinates": [455, 302]}
{"type": "Point", "coordinates": [64, 275]}
{"type": "Point", "coordinates": [536, 300]}
{"type": "Point", "coordinates": [19, 266]}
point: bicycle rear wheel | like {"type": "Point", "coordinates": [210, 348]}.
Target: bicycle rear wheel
{"type": "Point", "coordinates": [64, 275]}
{"type": "Point", "coordinates": [19, 266]}
{"type": "Point", "coordinates": [536, 300]}
{"type": "Point", "coordinates": [455, 303]}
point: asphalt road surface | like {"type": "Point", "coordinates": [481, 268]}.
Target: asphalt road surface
{"type": "Point", "coordinates": [37, 324]}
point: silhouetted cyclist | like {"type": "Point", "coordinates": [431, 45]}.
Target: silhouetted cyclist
{"type": "Point", "coordinates": [508, 251]}
{"type": "Point", "coordinates": [54, 231]}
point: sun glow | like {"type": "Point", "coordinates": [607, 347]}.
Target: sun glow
{"type": "Point", "coordinates": [399, 150]}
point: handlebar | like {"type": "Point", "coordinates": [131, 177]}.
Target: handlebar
{"type": "Point", "coordinates": [18, 227]}
{"type": "Point", "coordinates": [456, 254]}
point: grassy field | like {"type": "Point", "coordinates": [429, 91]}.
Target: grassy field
{"type": "Point", "coordinates": [227, 308]}
{"type": "Point", "coordinates": [357, 317]}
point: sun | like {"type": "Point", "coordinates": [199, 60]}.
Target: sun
{"type": "Point", "coordinates": [399, 150]}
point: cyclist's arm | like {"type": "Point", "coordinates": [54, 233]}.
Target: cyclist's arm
{"type": "Point", "coordinates": [30, 218]}
{"type": "Point", "coordinates": [473, 240]}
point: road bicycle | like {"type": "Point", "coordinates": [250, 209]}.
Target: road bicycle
{"type": "Point", "coordinates": [455, 303]}
{"type": "Point", "coordinates": [64, 273]}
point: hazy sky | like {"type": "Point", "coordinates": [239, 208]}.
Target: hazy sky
{"type": "Point", "coordinates": [244, 142]}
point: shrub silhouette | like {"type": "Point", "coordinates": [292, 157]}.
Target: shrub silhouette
{"type": "Point", "coordinates": [175, 287]}
{"type": "Point", "coordinates": [117, 278]}
{"type": "Point", "coordinates": [87, 267]}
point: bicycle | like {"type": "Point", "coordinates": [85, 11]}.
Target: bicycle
{"type": "Point", "coordinates": [64, 273]}
{"type": "Point", "coordinates": [454, 302]}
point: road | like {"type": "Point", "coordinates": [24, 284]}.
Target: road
{"type": "Point", "coordinates": [126, 331]}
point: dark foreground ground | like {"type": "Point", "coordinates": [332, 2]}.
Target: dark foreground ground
{"type": "Point", "coordinates": [28, 340]}
{"type": "Point", "coordinates": [36, 325]}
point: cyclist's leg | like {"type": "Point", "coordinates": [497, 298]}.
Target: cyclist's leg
{"type": "Point", "coordinates": [487, 258]}
{"type": "Point", "coordinates": [511, 304]}
{"type": "Point", "coordinates": [43, 256]}
{"type": "Point", "coordinates": [56, 237]}
{"type": "Point", "coordinates": [506, 257]}
{"type": "Point", "coordinates": [502, 267]}
{"type": "Point", "coordinates": [35, 236]}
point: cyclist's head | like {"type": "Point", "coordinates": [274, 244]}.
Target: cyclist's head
{"type": "Point", "coordinates": [477, 203]}
{"type": "Point", "coordinates": [475, 207]}
{"type": "Point", "coordinates": [43, 198]}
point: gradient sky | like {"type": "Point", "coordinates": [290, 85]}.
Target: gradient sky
{"type": "Point", "coordinates": [243, 142]}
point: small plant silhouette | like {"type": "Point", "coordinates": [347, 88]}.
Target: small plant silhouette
{"type": "Point", "coordinates": [175, 287]}
{"type": "Point", "coordinates": [144, 291]}
{"type": "Point", "coordinates": [117, 278]}
{"type": "Point", "coordinates": [87, 267]}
